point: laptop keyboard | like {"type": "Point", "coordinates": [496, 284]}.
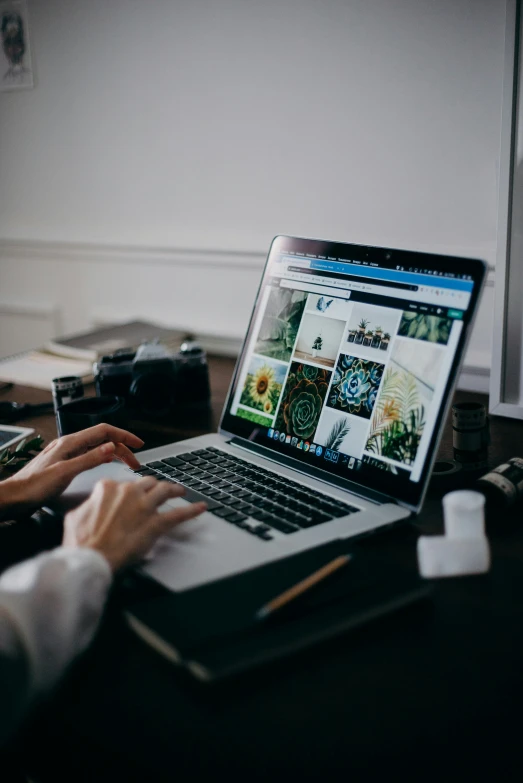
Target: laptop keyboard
{"type": "Point", "coordinates": [249, 497]}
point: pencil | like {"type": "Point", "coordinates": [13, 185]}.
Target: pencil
{"type": "Point", "coordinates": [301, 587]}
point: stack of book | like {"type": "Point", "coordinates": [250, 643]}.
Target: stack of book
{"type": "Point", "coordinates": [75, 355]}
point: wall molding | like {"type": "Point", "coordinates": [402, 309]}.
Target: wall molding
{"type": "Point", "coordinates": [90, 252]}
{"type": "Point", "coordinates": [84, 252]}
{"type": "Point", "coordinates": [474, 376]}
{"type": "Point", "coordinates": [35, 310]}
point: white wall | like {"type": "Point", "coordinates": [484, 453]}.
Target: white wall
{"type": "Point", "coordinates": [164, 126]}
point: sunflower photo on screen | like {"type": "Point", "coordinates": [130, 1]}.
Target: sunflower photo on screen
{"type": "Point", "coordinates": [262, 386]}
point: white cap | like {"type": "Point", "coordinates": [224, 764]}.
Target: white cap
{"type": "Point", "coordinates": [464, 513]}
{"type": "Point", "coordinates": [441, 556]}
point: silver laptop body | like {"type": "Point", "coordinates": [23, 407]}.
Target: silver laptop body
{"type": "Point", "coordinates": [342, 388]}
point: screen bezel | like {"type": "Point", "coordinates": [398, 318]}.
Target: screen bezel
{"type": "Point", "coordinates": [370, 479]}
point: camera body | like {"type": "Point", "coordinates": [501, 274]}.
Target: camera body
{"type": "Point", "coordinates": [154, 382]}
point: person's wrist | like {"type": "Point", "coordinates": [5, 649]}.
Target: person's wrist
{"type": "Point", "coordinates": [113, 561]}
{"type": "Point", "coordinates": [71, 540]}
{"type": "Point", "coordinates": [113, 564]}
{"type": "Point", "coordinates": [83, 553]}
{"type": "Point", "coordinates": [93, 551]}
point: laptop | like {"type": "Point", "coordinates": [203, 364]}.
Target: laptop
{"type": "Point", "coordinates": [334, 413]}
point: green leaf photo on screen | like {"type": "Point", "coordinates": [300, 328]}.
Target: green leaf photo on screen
{"type": "Point", "coordinates": [405, 396]}
{"type": "Point", "coordinates": [430, 328]}
{"type": "Point", "coordinates": [342, 432]}
{"type": "Point", "coordinates": [280, 323]}
{"type": "Point", "coordinates": [399, 418]}
{"type": "Point", "coordinates": [337, 434]}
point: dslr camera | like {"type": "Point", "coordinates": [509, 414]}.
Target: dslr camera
{"type": "Point", "coordinates": [154, 382]}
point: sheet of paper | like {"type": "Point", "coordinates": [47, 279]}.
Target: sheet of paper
{"type": "Point", "coordinates": [69, 352]}
{"type": "Point", "coordinates": [37, 369]}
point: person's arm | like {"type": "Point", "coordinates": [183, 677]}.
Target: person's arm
{"type": "Point", "coordinates": [49, 610]}
{"type": "Point", "coordinates": [14, 678]}
{"type": "Point", "coordinates": [50, 606]}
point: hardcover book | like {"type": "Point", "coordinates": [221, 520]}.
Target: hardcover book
{"type": "Point", "coordinates": [212, 630]}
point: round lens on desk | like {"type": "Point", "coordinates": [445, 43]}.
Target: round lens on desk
{"type": "Point", "coordinates": [88, 411]}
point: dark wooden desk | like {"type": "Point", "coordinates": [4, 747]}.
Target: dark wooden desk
{"type": "Point", "coordinates": [434, 695]}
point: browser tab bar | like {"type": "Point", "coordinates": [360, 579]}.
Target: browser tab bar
{"type": "Point", "coordinates": [393, 274]}
{"type": "Point", "coordinates": [303, 271]}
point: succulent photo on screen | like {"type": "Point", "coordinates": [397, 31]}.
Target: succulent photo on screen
{"type": "Point", "coordinates": [355, 385]}
{"type": "Point", "coordinates": [280, 323]}
{"type": "Point", "coordinates": [302, 400]}
{"type": "Point", "coordinates": [371, 331]}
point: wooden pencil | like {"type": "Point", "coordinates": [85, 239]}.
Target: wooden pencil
{"type": "Point", "coordinates": [301, 587]}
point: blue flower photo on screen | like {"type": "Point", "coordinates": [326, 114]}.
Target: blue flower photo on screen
{"type": "Point", "coordinates": [355, 385]}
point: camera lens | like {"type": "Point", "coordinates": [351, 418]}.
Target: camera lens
{"type": "Point", "coordinates": [470, 435]}
{"type": "Point", "coordinates": [67, 388]}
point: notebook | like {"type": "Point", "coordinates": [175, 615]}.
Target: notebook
{"type": "Point", "coordinates": [212, 631]}
{"type": "Point", "coordinates": [75, 355]}
{"type": "Point", "coordinates": [38, 368]}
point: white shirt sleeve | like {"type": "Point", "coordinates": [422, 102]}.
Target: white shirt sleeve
{"type": "Point", "coordinates": [50, 607]}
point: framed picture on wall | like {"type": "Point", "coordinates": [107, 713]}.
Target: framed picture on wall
{"type": "Point", "coordinates": [16, 70]}
{"type": "Point", "coordinates": [506, 378]}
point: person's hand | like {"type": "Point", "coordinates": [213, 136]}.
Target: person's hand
{"type": "Point", "coordinates": [122, 521]}
{"type": "Point", "coordinates": [50, 472]}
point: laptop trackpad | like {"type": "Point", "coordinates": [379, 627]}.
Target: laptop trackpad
{"type": "Point", "coordinates": [81, 487]}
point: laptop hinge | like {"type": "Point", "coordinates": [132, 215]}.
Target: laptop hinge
{"type": "Point", "coordinates": [309, 470]}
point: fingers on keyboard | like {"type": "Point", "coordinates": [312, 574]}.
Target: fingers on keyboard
{"type": "Point", "coordinates": [252, 498]}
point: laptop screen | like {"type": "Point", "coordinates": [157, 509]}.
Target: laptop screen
{"type": "Point", "coordinates": [349, 360]}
